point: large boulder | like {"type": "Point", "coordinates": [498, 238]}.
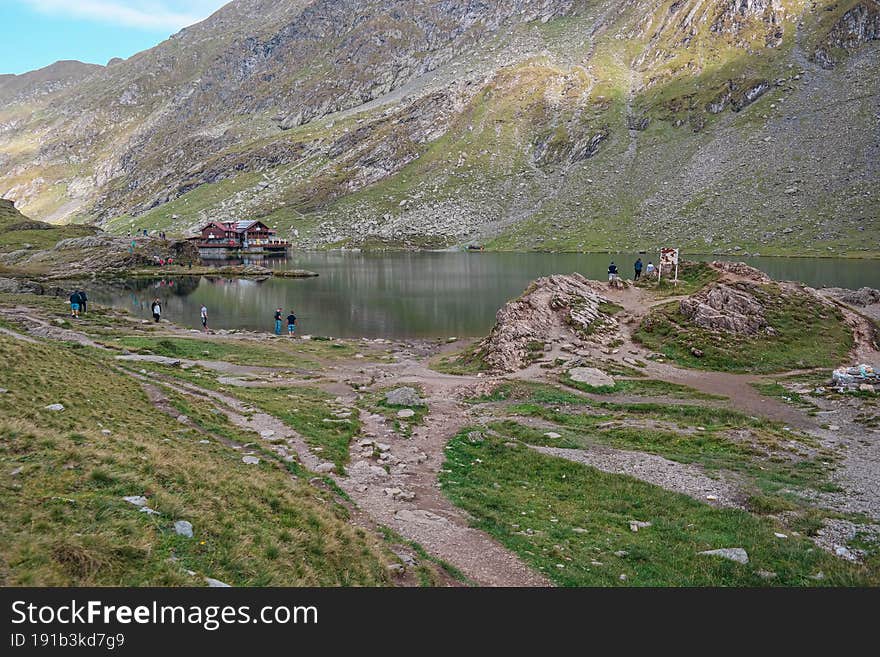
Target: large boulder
{"type": "Point", "coordinates": [559, 307]}
{"type": "Point", "coordinates": [591, 377]}
{"type": "Point", "coordinates": [405, 396]}
{"type": "Point", "coordinates": [730, 308]}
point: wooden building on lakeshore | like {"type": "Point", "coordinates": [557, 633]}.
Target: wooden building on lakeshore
{"type": "Point", "coordinates": [224, 239]}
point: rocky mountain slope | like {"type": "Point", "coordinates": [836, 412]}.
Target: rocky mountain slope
{"type": "Point", "coordinates": [716, 125]}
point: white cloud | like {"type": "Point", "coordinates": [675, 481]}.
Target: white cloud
{"type": "Point", "coordinates": [145, 14]}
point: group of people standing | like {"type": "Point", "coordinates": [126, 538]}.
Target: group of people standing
{"type": "Point", "coordinates": [279, 321]}
{"type": "Point", "coordinates": [156, 309]}
{"type": "Point", "coordinates": [650, 270]}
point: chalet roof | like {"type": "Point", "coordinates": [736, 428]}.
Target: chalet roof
{"type": "Point", "coordinates": [244, 225]}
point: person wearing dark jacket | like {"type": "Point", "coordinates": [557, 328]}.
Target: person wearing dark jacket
{"type": "Point", "coordinates": [75, 301]}
{"type": "Point", "coordinates": [278, 321]}
{"type": "Point", "coordinates": [638, 268]}
{"type": "Point", "coordinates": [612, 271]}
{"type": "Point", "coordinates": [83, 300]}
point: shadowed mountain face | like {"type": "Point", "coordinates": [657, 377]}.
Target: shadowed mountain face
{"type": "Point", "coordinates": [719, 125]}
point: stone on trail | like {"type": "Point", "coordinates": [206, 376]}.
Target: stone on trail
{"type": "Point", "coordinates": [325, 467]}
{"type": "Point", "coordinates": [250, 460]}
{"type": "Point", "coordinates": [268, 433]}
{"type": "Point", "coordinates": [590, 376]}
{"type": "Point", "coordinates": [734, 554]}
{"type": "Point", "coordinates": [183, 528]}
{"type": "Point", "coordinates": [552, 434]}
{"type": "Point", "coordinates": [405, 396]}
{"type": "Point", "coordinates": [406, 413]}
{"type": "Point", "coordinates": [55, 407]}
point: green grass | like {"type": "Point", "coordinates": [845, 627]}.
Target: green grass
{"type": "Point", "coordinates": [309, 412]}
{"type": "Point", "coordinates": [692, 277]}
{"type": "Point", "coordinates": [65, 523]}
{"type": "Point", "coordinates": [642, 387]}
{"type": "Point", "coordinates": [777, 391]}
{"type": "Point", "coordinates": [768, 459]}
{"type": "Point", "coordinates": [16, 231]}
{"type": "Point", "coordinates": [808, 335]}
{"type": "Point", "coordinates": [238, 352]}
{"type": "Point", "coordinates": [538, 393]}
{"type": "Point", "coordinates": [533, 504]}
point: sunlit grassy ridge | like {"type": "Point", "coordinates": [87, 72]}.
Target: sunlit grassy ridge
{"type": "Point", "coordinates": [65, 522]}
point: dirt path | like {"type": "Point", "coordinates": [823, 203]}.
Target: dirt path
{"type": "Point", "coordinates": [409, 500]}
{"type": "Point", "coordinates": [405, 496]}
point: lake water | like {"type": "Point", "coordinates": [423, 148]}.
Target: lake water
{"type": "Point", "coordinates": [408, 295]}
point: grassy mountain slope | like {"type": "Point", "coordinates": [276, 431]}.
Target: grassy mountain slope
{"type": "Point", "coordinates": [722, 125]}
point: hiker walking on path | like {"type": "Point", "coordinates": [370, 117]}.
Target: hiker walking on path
{"type": "Point", "coordinates": [650, 269]}
{"type": "Point", "coordinates": [157, 309]}
{"type": "Point", "coordinates": [75, 302]}
{"type": "Point", "coordinates": [83, 300]}
{"type": "Point", "coordinates": [612, 271]}
{"type": "Point", "coordinates": [278, 321]}
{"type": "Point", "coordinates": [638, 268]}
{"type": "Point", "coordinates": [203, 313]}
{"type": "Point", "coordinates": [291, 324]}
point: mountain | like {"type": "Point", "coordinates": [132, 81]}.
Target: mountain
{"type": "Point", "coordinates": [716, 125]}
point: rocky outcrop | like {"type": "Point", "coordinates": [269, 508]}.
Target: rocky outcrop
{"type": "Point", "coordinates": [856, 27]}
{"type": "Point", "coordinates": [741, 270]}
{"type": "Point", "coordinates": [561, 306]}
{"type": "Point", "coordinates": [731, 308]}
{"type": "Point", "coordinates": [863, 297]}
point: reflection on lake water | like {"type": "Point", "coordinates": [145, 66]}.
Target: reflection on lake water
{"type": "Point", "coordinates": [410, 294]}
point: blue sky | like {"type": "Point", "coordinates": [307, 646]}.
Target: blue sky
{"type": "Point", "coordinates": [39, 32]}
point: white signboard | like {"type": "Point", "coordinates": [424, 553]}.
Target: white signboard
{"type": "Point", "coordinates": [669, 261]}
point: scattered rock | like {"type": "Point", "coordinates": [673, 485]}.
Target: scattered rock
{"type": "Point", "coordinates": [55, 407]}
{"type": "Point", "coordinates": [137, 500]}
{"type": "Point", "coordinates": [250, 460]}
{"type": "Point", "coordinates": [183, 528]}
{"type": "Point", "coordinates": [325, 467]}
{"type": "Point", "coordinates": [216, 583]}
{"type": "Point", "coordinates": [553, 435]}
{"type": "Point", "coordinates": [734, 554]}
{"type": "Point", "coordinates": [475, 437]}
{"type": "Point", "coordinates": [406, 413]}
{"type": "Point", "coordinates": [636, 525]}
